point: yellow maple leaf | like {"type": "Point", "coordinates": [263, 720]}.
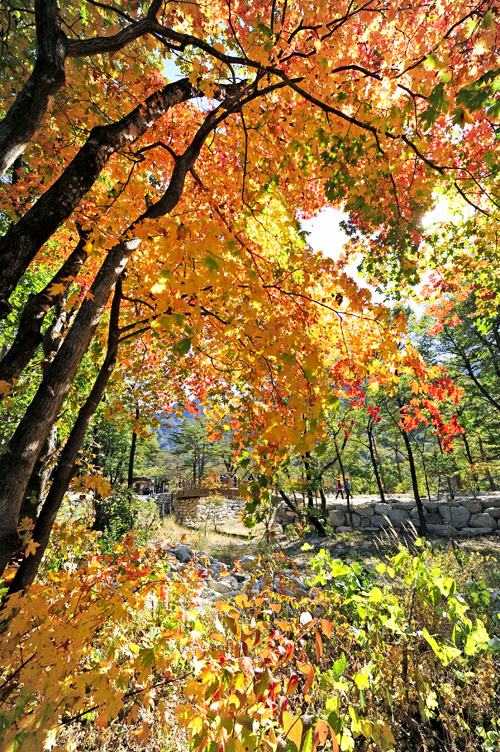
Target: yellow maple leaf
{"type": "Point", "coordinates": [31, 547]}
{"type": "Point", "coordinates": [56, 288]}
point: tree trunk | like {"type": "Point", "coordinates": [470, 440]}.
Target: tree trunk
{"type": "Point", "coordinates": [450, 486]}
{"type": "Point", "coordinates": [28, 440]}
{"type": "Point", "coordinates": [22, 120]}
{"type": "Point", "coordinates": [369, 431]}
{"type": "Point", "coordinates": [309, 517]}
{"type": "Point", "coordinates": [67, 467]}
{"type": "Point", "coordinates": [324, 510]}
{"type": "Point", "coordinates": [414, 483]}
{"type": "Point", "coordinates": [22, 241]}
{"type": "Point", "coordinates": [489, 476]}
{"type": "Point", "coordinates": [475, 479]}
{"type": "Point", "coordinates": [398, 464]}
{"type": "Point", "coordinates": [348, 498]}
{"type": "Point", "coordinates": [384, 485]}
{"type": "Point", "coordinates": [131, 457]}
{"type": "Point", "coordinates": [37, 485]}
{"type": "Point", "coordinates": [424, 466]}
{"type": "Point", "coordinates": [29, 335]}
{"type": "Point", "coordinates": [307, 466]}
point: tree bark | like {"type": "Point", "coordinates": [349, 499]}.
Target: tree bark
{"type": "Point", "coordinates": [307, 466]}
{"type": "Point", "coordinates": [369, 431]}
{"type": "Point", "coordinates": [67, 467]}
{"type": "Point", "coordinates": [414, 483]}
{"type": "Point", "coordinates": [22, 241]}
{"type": "Point", "coordinates": [37, 485]}
{"type": "Point", "coordinates": [21, 122]}
{"type": "Point", "coordinates": [29, 335]}
{"type": "Point", "coordinates": [28, 440]}
{"type": "Point", "coordinates": [468, 452]}
{"type": "Point", "coordinates": [347, 496]}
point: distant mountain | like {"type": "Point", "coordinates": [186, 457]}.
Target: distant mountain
{"type": "Point", "coordinates": [170, 423]}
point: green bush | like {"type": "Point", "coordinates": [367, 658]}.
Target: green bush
{"type": "Point", "coordinates": [122, 513]}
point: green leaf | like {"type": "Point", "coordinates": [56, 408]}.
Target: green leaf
{"type": "Point", "coordinates": [338, 667]}
{"type": "Point", "coordinates": [211, 263]}
{"type": "Point", "coordinates": [182, 347]}
{"type": "Point", "coordinates": [307, 743]}
{"type": "Point", "coordinates": [445, 653]}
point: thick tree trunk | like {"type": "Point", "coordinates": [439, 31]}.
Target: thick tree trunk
{"type": "Point", "coordinates": [29, 335]}
{"type": "Point", "coordinates": [53, 48]}
{"type": "Point", "coordinates": [22, 242]}
{"type": "Point", "coordinates": [27, 442]}
{"type": "Point", "coordinates": [67, 467]}
{"type": "Point", "coordinates": [37, 485]}
{"type": "Point", "coordinates": [22, 120]}
{"type": "Point", "coordinates": [26, 445]}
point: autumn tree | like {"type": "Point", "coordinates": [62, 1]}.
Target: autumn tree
{"type": "Point", "coordinates": [179, 201]}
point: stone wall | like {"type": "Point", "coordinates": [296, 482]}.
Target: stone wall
{"type": "Point", "coordinates": [469, 516]}
{"type": "Point", "coordinates": [196, 511]}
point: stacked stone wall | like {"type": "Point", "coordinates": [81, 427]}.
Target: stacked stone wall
{"type": "Point", "coordinates": [196, 511]}
{"type": "Point", "coordinates": [479, 516]}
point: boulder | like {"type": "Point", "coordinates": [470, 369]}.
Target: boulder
{"type": "Point", "coordinates": [434, 518]}
{"type": "Point", "coordinates": [246, 562]}
{"type": "Point", "coordinates": [366, 522]}
{"type": "Point", "coordinates": [378, 521]}
{"type": "Point", "coordinates": [408, 505]}
{"type": "Point", "coordinates": [382, 508]}
{"type": "Point", "coordinates": [475, 531]}
{"type": "Point", "coordinates": [182, 554]}
{"type": "Point", "coordinates": [438, 529]}
{"type": "Point", "coordinates": [493, 511]}
{"type": "Point", "coordinates": [398, 516]}
{"type": "Point", "coordinates": [218, 587]}
{"type": "Point", "coordinates": [458, 516]}
{"type": "Point", "coordinates": [336, 517]}
{"type": "Point", "coordinates": [364, 510]}
{"type": "Point", "coordinates": [231, 581]}
{"type": "Point", "coordinates": [473, 506]}
{"type": "Point", "coordinates": [483, 520]}
{"type": "Point", "coordinates": [431, 506]}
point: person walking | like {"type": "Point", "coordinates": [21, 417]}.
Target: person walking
{"type": "Point", "coordinates": [339, 489]}
{"type": "Point", "coordinates": [348, 489]}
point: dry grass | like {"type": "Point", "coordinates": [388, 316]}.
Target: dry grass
{"type": "Point", "coordinates": [226, 545]}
